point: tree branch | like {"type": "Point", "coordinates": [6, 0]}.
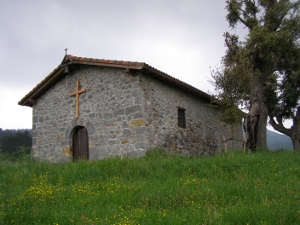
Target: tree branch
{"type": "Point", "coordinates": [247, 17]}
{"type": "Point", "coordinates": [245, 23]}
{"type": "Point", "coordinates": [297, 117]}
{"type": "Point", "coordinates": [279, 126]}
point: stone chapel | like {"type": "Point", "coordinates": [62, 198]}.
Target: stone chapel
{"type": "Point", "coordinates": [92, 109]}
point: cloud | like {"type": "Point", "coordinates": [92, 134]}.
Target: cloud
{"type": "Point", "coordinates": [182, 38]}
{"type": "Point", "coordinates": [12, 115]}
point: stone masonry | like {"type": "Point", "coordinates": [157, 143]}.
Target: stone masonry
{"type": "Point", "coordinates": [125, 115]}
{"type": "Point", "coordinates": [204, 131]}
{"type": "Point", "coordinates": [110, 109]}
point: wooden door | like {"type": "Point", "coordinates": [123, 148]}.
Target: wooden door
{"type": "Point", "coordinates": [80, 144]}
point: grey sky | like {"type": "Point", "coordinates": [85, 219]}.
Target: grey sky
{"type": "Point", "coordinates": [182, 38]}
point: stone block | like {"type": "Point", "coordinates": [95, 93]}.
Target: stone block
{"type": "Point", "coordinates": [90, 128]}
{"type": "Point", "coordinates": [107, 116]}
{"type": "Point", "coordinates": [127, 132]}
{"type": "Point", "coordinates": [138, 100]}
{"type": "Point", "coordinates": [125, 124]}
{"type": "Point", "coordinates": [138, 115]}
{"type": "Point", "coordinates": [34, 133]}
{"type": "Point", "coordinates": [137, 122]}
{"type": "Point", "coordinates": [135, 92]}
{"type": "Point", "coordinates": [35, 119]}
{"type": "Point", "coordinates": [140, 130]}
{"type": "Point", "coordinates": [98, 115]}
{"type": "Point", "coordinates": [93, 154]}
{"type": "Point", "coordinates": [133, 109]}
{"type": "Point", "coordinates": [139, 146]}
{"type": "Point", "coordinates": [112, 142]}
{"type": "Point", "coordinates": [179, 136]}
{"type": "Point", "coordinates": [136, 84]}
{"type": "Point", "coordinates": [66, 150]}
{"type": "Point", "coordinates": [91, 144]}
{"type": "Point", "coordinates": [124, 142]}
{"type": "Point", "coordinates": [119, 112]}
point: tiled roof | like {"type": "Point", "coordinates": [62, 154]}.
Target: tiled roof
{"type": "Point", "coordinates": [85, 60]}
{"type": "Point", "coordinates": [70, 60]}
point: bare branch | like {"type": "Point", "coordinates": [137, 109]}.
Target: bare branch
{"type": "Point", "coordinates": [279, 126]}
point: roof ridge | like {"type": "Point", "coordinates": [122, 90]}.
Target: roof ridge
{"type": "Point", "coordinates": [110, 61]}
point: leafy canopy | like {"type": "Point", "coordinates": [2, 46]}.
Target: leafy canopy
{"type": "Point", "coordinates": [269, 54]}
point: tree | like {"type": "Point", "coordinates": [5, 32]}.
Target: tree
{"type": "Point", "coordinates": [262, 63]}
{"type": "Point", "coordinates": [284, 102]}
{"type": "Point", "coordinates": [14, 140]}
{"type": "Point", "coordinates": [232, 90]}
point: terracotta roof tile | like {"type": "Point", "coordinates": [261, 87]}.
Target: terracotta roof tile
{"type": "Point", "coordinates": [132, 63]}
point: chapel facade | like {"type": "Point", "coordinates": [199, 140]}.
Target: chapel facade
{"type": "Point", "coordinates": [93, 109]}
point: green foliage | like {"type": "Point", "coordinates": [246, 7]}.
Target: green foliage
{"type": "Point", "coordinates": [22, 154]}
{"type": "Point", "coordinates": [233, 188]}
{"type": "Point", "coordinates": [13, 140]}
{"type": "Point", "coordinates": [266, 64]}
{"type": "Point", "coordinates": [231, 88]}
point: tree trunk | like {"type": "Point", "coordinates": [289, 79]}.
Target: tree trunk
{"type": "Point", "coordinates": [296, 130]}
{"type": "Point", "coordinates": [296, 141]}
{"type": "Point", "coordinates": [262, 127]}
{"type": "Point", "coordinates": [256, 121]}
{"type": "Point", "coordinates": [293, 132]}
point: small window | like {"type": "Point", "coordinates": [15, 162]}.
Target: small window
{"type": "Point", "coordinates": [181, 118]}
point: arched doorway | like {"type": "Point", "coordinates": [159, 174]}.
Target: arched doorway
{"type": "Point", "coordinates": [80, 144]}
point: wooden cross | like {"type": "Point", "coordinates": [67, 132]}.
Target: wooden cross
{"type": "Point", "coordinates": [76, 93]}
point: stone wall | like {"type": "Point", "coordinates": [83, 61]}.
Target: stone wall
{"type": "Point", "coordinates": [204, 131]}
{"type": "Point", "coordinates": [124, 116]}
{"type": "Point", "coordinates": [111, 110]}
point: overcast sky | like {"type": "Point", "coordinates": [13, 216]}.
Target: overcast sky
{"type": "Point", "coordinates": [183, 38]}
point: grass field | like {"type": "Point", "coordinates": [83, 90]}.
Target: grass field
{"type": "Point", "coordinates": [233, 188]}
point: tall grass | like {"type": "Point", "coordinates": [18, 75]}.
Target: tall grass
{"type": "Point", "coordinates": [233, 188]}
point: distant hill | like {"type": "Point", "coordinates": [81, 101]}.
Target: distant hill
{"type": "Point", "coordinates": [276, 141]}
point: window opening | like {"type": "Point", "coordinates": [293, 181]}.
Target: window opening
{"type": "Point", "coordinates": [181, 118]}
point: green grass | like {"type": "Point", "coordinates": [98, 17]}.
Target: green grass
{"type": "Point", "coordinates": [233, 188]}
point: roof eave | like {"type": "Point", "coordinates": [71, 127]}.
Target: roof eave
{"type": "Point", "coordinates": [42, 87]}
